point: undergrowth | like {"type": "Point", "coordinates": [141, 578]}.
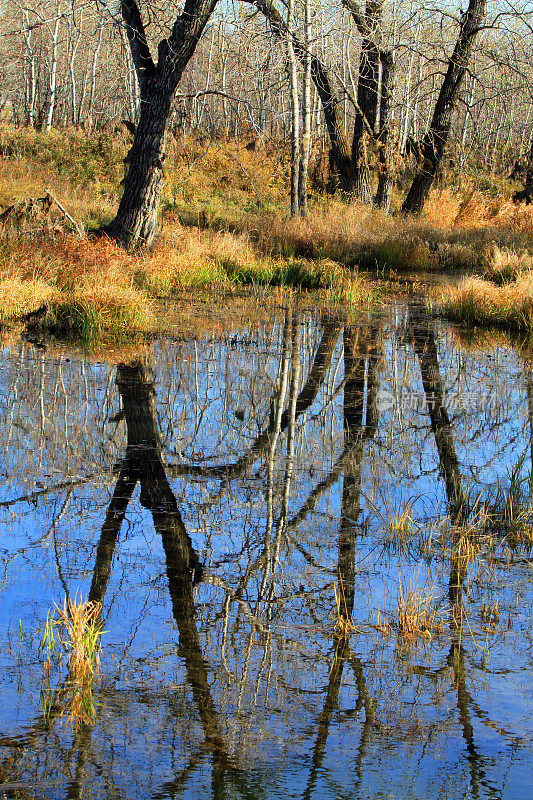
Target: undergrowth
{"type": "Point", "coordinates": [224, 225]}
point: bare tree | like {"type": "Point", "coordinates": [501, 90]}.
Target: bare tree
{"type": "Point", "coordinates": [135, 223]}
{"type": "Point", "coordinates": [436, 138]}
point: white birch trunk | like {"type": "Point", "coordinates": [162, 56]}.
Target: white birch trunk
{"type": "Point", "coordinates": [53, 70]}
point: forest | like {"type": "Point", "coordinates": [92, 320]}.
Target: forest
{"type": "Point", "coordinates": [266, 399]}
{"type": "Point", "coordinates": [318, 141]}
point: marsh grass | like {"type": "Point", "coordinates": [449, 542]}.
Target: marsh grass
{"type": "Point", "coordinates": [479, 302]}
{"type": "Point", "coordinates": [224, 227]}
{"type": "Point", "coordinates": [73, 630]}
{"type": "Point", "coordinates": [344, 626]}
{"type": "Point", "coordinates": [467, 548]}
{"type": "Point", "coordinates": [510, 511]}
{"type": "Point", "coordinates": [400, 526]}
{"type": "Point", "coordinates": [490, 613]}
{"type": "Point", "coordinates": [417, 614]}
{"type": "Point", "coordinates": [79, 621]}
{"type": "Point", "coordinates": [505, 266]}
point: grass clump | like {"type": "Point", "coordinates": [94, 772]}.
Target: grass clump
{"type": "Point", "coordinates": [76, 632]}
{"type": "Point", "coordinates": [506, 266]}
{"type": "Point", "coordinates": [17, 296]}
{"type": "Point", "coordinates": [102, 310]}
{"type": "Point", "coordinates": [344, 627]}
{"type": "Point", "coordinates": [88, 286]}
{"type": "Point", "coordinates": [479, 302]}
{"type": "Point", "coordinates": [417, 612]}
{"type": "Point", "coordinates": [400, 526]}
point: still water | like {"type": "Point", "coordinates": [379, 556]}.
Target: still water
{"type": "Point", "coordinates": [310, 544]}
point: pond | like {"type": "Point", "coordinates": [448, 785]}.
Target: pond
{"type": "Point", "coordinates": [308, 545]}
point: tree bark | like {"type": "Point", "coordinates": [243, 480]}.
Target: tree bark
{"type": "Point", "coordinates": [436, 138]}
{"type": "Point", "coordinates": [136, 221]}
{"type": "Point", "coordinates": [385, 152]}
{"type": "Point", "coordinates": [368, 95]}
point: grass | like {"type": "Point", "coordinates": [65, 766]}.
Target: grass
{"type": "Point", "coordinates": [479, 302]}
{"type": "Point", "coordinates": [417, 613]}
{"type": "Point", "coordinates": [509, 510]}
{"type": "Point", "coordinates": [225, 228]}
{"type": "Point", "coordinates": [507, 265]}
{"type": "Point", "coordinates": [344, 626]}
{"type": "Point", "coordinates": [399, 526]}
{"type": "Point", "coordinates": [76, 631]}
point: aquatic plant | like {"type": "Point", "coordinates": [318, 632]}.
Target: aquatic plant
{"type": "Point", "coordinates": [75, 631]}
{"type": "Point", "coordinates": [417, 613]}
{"type": "Point", "coordinates": [82, 633]}
{"type": "Point", "coordinates": [344, 626]}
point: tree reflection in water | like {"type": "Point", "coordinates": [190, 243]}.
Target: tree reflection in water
{"type": "Point", "coordinates": [258, 515]}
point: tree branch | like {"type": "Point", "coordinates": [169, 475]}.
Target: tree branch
{"type": "Point", "coordinates": [140, 52]}
{"type": "Point", "coordinates": [357, 16]}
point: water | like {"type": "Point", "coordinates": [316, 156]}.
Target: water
{"type": "Point", "coordinates": [226, 499]}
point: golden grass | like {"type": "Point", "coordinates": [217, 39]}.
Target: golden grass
{"type": "Point", "coordinates": [82, 633]}
{"type": "Point", "coordinates": [344, 626]}
{"type": "Point", "coordinates": [467, 547]}
{"type": "Point", "coordinates": [520, 536]}
{"type": "Point", "coordinates": [88, 286]}
{"type": "Point", "coordinates": [17, 296]}
{"type": "Point", "coordinates": [224, 225]}
{"type": "Point", "coordinates": [417, 613]}
{"type": "Point", "coordinates": [399, 526]}
{"type": "Point", "coordinates": [507, 265]}
{"type": "Point", "coordinates": [448, 208]}
{"type": "Point", "coordinates": [99, 288]}
{"type": "Point", "coordinates": [78, 631]}
{"type": "Point", "coordinates": [479, 302]}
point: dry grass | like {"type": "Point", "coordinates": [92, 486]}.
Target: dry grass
{"type": "Point", "coordinates": [224, 225]}
{"type": "Point", "coordinates": [89, 286]}
{"type": "Point", "coordinates": [417, 612]}
{"type": "Point", "coordinates": [478, 302]}
{"type": "Point", "coordinates": [18, 296]}
{"type": "Point", "coordinates": [78, 631]}
{"type": "Point", "coordinates": [399, 526]}
{"type": "Point", "coordinates": [450, 209]}
{"type": "Point", "coordinates": [506, 265]}
{"type": "Point", "coordinates": [520, 537]}
{"type": "Point", "coordinates": [490, 613]}
{"type": "Point", "coordinates": [344, 626]}
{"type": "Point", "coordinates": [467, 549]}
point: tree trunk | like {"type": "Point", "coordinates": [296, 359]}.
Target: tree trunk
{"type": "Point", "coordinates": [136, 220]}
{"type": "Point", "coordinates": [295, 115]}
{"type": "Point", "coordinates": [31, 87]}
{"type": "Point", "coordinates": [470, 103]}
{"type": "Point", "coordinates": [50, 106]}
{"type": "Point", "coordinates": [306, 113]}
{"type": "Point", "coordinates": [368, 100]}
{"type": "Point", "coordinates": [425, 348]}
{"type": "Point", "coordinates": [385, 153]}
{"type": "Point", "coordinates": [437, 136]}
{"type": "Point", "coordinates": [94, 67]}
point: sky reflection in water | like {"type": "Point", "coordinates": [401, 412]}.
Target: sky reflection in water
{"type": "Point", "coordinates": [215, 495]}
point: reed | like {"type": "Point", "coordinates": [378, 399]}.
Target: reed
{"type": "Point", "coordinates": [480, 302]}
{"type": "Point", "coordinates": [417, 613]}
{"type": "Point", "coordinates": [74, 630]}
